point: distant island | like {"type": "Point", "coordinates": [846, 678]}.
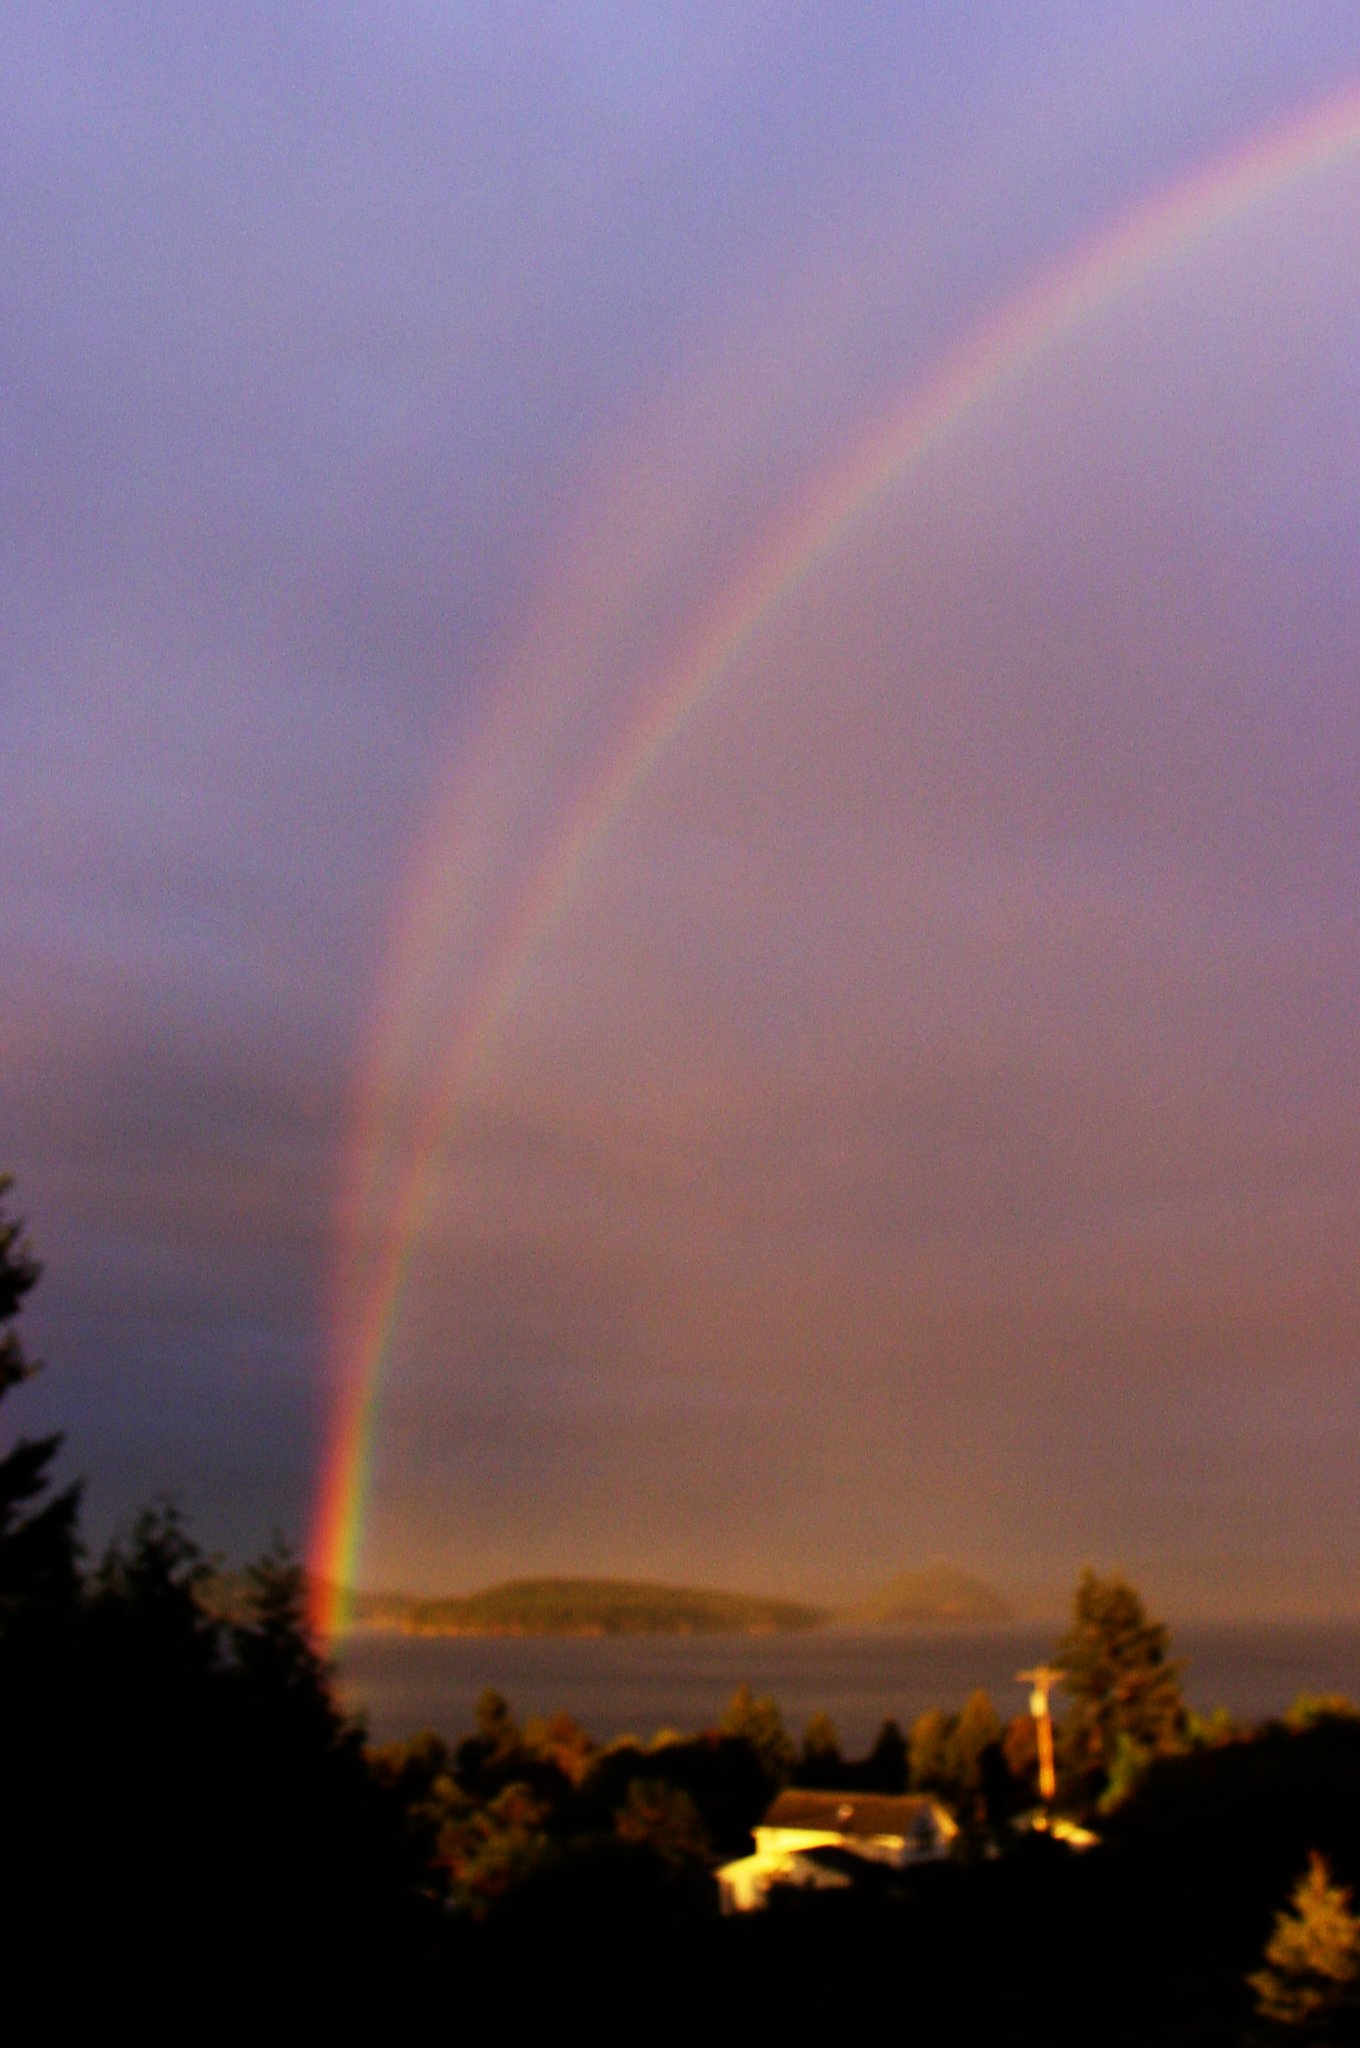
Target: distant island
{"type": "Point", "coordinates": [588, 1607]}
{"type": "Point", "coordinates": [938, 1596]}
{"type": "Point", "coordinates": [935, 1597]}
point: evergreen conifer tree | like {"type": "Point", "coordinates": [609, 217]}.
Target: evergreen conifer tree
{"type": "Point", "coordinates": [885, 1767]}
{"type": "Point", "coordinates": [929, 1757]}
{"type": "Point", "coordinates": [1119, 1680]}
{"type": "Point", "coordinates": [1309, 1983]}
{"type": "Point", "coordinates": [978, 1728]}
{"type": "Point", "coordinates": [975, 1747]}
{"type": "Point", "coordinates": [821, 1763]}
{"type": "Point", "coordinates": [38, 1575]}
{"type": "Point", "coordinates": [758, 1723]}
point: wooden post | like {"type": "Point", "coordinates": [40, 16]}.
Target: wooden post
{"type": "Point", "coordinates": [1042, 1681]}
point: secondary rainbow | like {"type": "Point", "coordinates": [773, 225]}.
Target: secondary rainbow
{"type": "Point", "coordinates": [989, 361]}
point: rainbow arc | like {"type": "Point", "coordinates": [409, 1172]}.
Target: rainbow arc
{"type": "Point", "coordinates": [988, 364]}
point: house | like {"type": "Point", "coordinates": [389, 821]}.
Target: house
{"type": "Point", "coordinates": [815, 1839]}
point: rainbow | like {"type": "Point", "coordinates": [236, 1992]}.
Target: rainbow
{"type": "Point", "coordinates": [990, 361]}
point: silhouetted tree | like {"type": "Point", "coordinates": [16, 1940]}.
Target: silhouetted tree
{"type": "Point", "coordinates": [962, 1758]}
{"type": "Point", "coordinates": [1311, 1707]}
{"type": "Point", "coordinates": [1309, 1982]}
{"type": "Point", "coordinates": [492, 1846]}
{"type": "Point", "coordinates": [1020, 1752]}
{"type": "Point", "coordinates": [488, 1759]}
{"type": "Point", "coordinates": [1119, 1681]}
{"type": "Point", "coordinates": [38, 1553]}
{"type": "Point", "coordinates": [177, 1786]}
{"type": "Point", "coordinates": [546, 1756]}
{"type": "Point", "coordinates": [562, 1743]}
{"type": "Point", "coordinates": [820, 1762]}
{"type": "Point", "coordinates": [43, 1675]}
{"type": "Point", "coordinates": [757, 1722]}
{"type": "Point", "coordinates": [665, 1819]}
{"type": "Point", "coordinates": [928, 1754]}
{"type": "Point", "coordinates": [1214, 1729]}
{"type": "Point", "coordinates": [981, 1788]}
{"type": "Point", "coordinates": [721, 1774]}
{"type": "Point", "coordinates": [977, 1729]}
{"type": "Point", "coordinates": [884, 1769]}
{"type": "Point", "coordinates": [419, 1772]}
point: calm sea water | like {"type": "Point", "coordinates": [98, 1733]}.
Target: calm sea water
{"type": "Point", "coordinates": [615, 1685]}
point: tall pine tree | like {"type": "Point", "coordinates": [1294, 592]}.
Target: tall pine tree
{"type": "Point", "coordinates": [38, 1577]}
{"type": "Point", "coordinates": [1309, 1983]}
{"type": "Point", "coordinates": [1124, 1690]}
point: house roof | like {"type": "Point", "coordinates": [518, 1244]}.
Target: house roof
{"type": "Point", "coordinates": [853, 1813]}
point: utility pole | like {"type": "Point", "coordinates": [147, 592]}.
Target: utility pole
{"type": "Point", "coordinates": [1042, 1680]}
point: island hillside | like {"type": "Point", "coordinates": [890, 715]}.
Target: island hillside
{"type": "Point", "coordinates": [937, 1596]}
{"type": "Point", "coordinates": [610, 1607]}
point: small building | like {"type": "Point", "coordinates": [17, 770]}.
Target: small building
{"type": "Point", "coordinates": [815, 1840]}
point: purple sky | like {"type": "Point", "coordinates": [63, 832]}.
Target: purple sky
{"type": "Point", "coordinates": [931, 1128]}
